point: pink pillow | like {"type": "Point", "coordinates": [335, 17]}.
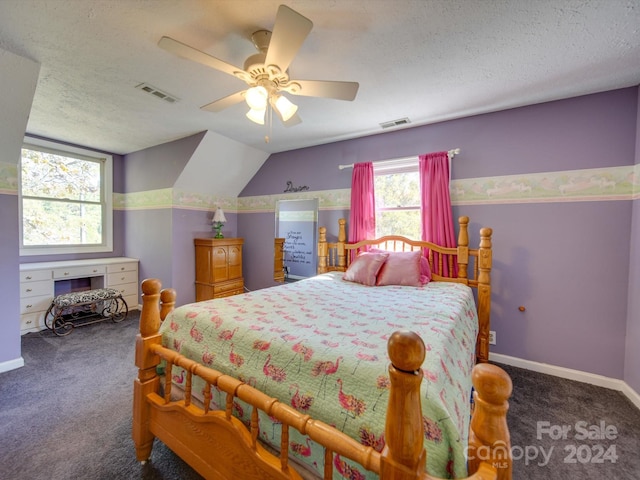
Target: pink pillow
{"type": "Point", "coordinates": [365, 268]}
{"type": "Point", "coordinates": [425, 270]}
{"type": "Point", "coordinates": [401, 268]}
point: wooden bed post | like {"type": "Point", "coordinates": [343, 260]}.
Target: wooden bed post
{"type": "Point", "coordinates": [332, 256]}
{"type": "Point", "coordinates": [167, 302]}
{"type": "Point", "coordinates": [146, 361]}
{"type": "Point", "coordinates": [489, 439]}
{"type": "Point", "coordinates": [323, 250]}
{"type": "Point", "coordinates": [484, 295]}
{"type": "Point", "coordinates": [463, 247]}
{"type": "Point", "coordinates": [342, 240]}
{"type": "Point", "coordinates": [404, 456]}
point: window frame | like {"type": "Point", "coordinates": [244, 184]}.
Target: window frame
{"type": "Point", "coordinates": [106, 184]}
{"type": "Point", "coordinates": [391, 167]}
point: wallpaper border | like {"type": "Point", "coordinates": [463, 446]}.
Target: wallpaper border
{"type": "Point", "coordinates": [596, 184]}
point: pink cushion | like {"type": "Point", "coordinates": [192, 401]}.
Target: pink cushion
{"type": "Point", "coordinates": [425, 270]}
{"type": "Point", "coordinates": [401, 268]}
{"type": "Point", "coordinates": [365, 268]}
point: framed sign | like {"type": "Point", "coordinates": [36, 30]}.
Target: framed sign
{"type": "Point", "coordinates": [297, 223]}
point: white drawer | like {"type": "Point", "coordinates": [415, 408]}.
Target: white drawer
{"type": "Point", "coordinates": [32, 322]}
{"type": "Point", "coordinates": [120, 278]}
{"type": "Point", "coordinates": [122, 267]}
{"type": "Point", "coordinates": [127, 289]}
{"type": "Point", "coordinates": [79, 272]}
{"type": "Point", "coordinates": [35, 275]}
{"type": "Point", "coordinates": [35, 304]}
{"type": "Point", "coordinates": [33, 289]}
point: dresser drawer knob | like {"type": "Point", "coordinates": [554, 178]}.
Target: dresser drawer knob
{"type": "Point", "coordinates": [29, 290]}
{"type": "Point", "coordinates": [28, 277]}
{"type": "Point", "coordinates": [29, 306]}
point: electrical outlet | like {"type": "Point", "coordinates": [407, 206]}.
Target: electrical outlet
{"type": "Point", "coordinates": [492, 337]}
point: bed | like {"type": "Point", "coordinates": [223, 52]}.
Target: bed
{"type": "Point", "coordinates": [299, 375]}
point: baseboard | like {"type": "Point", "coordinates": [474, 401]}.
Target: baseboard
{"type": "Point", "coordinates": [631, 395]}
{"type": "Point", "coordinates": [568, 373]}
{"type": "Point", "coordinates": [11, 364]}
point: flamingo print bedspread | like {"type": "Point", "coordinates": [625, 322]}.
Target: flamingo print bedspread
{"type": "Point", "coordinates": [320, 345]}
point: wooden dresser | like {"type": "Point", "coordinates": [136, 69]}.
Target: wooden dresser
{"type": "Point", "coordinates": [218, 267]}
{"type": "Point", "coordinates": [278, 259]}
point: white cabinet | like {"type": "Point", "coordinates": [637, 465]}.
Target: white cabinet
{"type": "Point", "coordinates": [38, 284]}
{"type": "Point", "coordinates": [35, 297]}
{"type": "Point", "coordinates": [124, 278]}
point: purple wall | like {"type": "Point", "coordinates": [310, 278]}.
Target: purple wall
{"type": "Point", "coordinates": [632, 352]}
{"type": "Point", "coordinates": [548, 258]}
{"type": "Point", "coordinates": [160, 166]}
{"type": "Point", "coordinates": [9, 279]}
{"type": "Point", "coordinates": [187, 225]}
{"type": "Point", "coordinates": [583, 132]}
{"type": "Point", "coordinates": [162, 238]}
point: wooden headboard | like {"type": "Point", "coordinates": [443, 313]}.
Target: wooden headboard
{"type": "Point", "coordinates": [473, 265]}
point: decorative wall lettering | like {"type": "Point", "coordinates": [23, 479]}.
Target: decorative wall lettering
{"type": "Point", "coordinates": [291, 188]}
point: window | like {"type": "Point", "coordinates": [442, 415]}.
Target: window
{"type": "Point", "coordinates": [397, 191]}
{"type": "Point", "coordinates": [65, 199]}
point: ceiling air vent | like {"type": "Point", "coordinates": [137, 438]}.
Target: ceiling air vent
{"type": "Point", "coordinates": [150, 89]}
{"type": "Point", "coordinates": [396, 123]}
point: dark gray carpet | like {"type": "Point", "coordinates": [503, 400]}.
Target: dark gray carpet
{"type": "Point", "coordinates": [553, 423]}
{"type": "Point", "coordinates": [67, 415]}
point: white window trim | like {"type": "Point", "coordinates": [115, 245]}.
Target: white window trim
{"type": "Point", "coordinates": [396, 165]}
{"type": "Point", "coordinates": [108, 196]}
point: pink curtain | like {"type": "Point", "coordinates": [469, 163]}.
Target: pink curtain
{"type": "Point", "coordinates": [435, 205]}
{"type": "Point", "coordinates": [362, 224]}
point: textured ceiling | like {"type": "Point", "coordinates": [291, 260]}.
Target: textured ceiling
{"type": "Point", "coordinates": [428, 60]}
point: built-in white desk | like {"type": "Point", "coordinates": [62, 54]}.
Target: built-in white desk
{"type": "Point", "coordinates": [40, 282]}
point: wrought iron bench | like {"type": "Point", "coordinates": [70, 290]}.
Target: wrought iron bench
{"type": "Point", "coordinates": [78, 309]}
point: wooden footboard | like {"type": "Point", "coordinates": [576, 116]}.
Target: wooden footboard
{"type": "Point", "coordinates": [471, 266]}
{"type": "Point", "coordinates": [218, 445]}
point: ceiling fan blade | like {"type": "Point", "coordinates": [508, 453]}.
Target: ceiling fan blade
{"type": "Point", "coordinates": [183, 50]}
{"type": "Point", "coordinates": [324, 88]}
{"type": "Point", "coordinates": [225, 102]}
{"type": "Point", "coordinates": [289, 32]}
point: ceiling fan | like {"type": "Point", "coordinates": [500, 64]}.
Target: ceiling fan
{"type": "Point", "coordinates": [266, 72]}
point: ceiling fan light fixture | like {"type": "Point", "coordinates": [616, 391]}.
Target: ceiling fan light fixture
{"type": "Point", "coordinates": [284, 106]}
{"type": "Point", "coordinates": [257, 97]}
{"type": "Point", "coordinates": [266, 74]}
{"type": "Point", "coordinates": [256, 115]}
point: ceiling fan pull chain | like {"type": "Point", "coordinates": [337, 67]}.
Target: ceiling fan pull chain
{"type": "Point", "coordinates": [267, 137]}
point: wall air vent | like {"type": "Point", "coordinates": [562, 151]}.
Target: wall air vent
{"type": "Point", "coordinates": [396, 123]}
{"type": "Point", "coordinates": [150, 89]}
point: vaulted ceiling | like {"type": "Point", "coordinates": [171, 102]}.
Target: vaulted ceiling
{"type": "Point", "coordinates": [424, 60]}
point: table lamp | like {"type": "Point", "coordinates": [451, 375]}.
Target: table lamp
{"type": "Point", "coordinates": [218, 221]}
